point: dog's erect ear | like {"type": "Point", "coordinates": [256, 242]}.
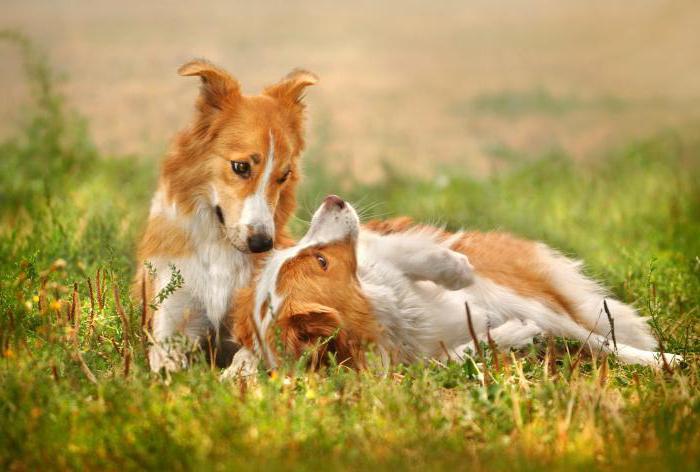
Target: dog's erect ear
{"type": "Point", "coordinates": [290, 89]}
{"type": "Point", "coordinates": [218, 87]}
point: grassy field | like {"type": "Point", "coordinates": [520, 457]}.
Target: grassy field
{"type": "Point", "coordinates": [75, 391]}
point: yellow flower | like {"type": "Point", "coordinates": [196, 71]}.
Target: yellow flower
{"type": "Point", "coordinates": [55, 305]}
{"type": "Point", "coordinates": [58, 264]}
{"type": "Point", "coordinates": [253, 433]}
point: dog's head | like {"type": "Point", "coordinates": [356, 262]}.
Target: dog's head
{"type": "Point", "coordinates": [239, 159]}
{"type": "Point", "coordinates": [311, 291]}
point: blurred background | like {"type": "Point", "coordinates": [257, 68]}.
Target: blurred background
{"type": "Point", "coordinates": [416, 85]}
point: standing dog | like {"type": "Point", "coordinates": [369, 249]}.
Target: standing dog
{"type": "Point", "coordinates": [225, 192]}
{"type": "Point", "coordinates": [405, 291]}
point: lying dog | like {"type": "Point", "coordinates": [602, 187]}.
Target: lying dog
{"type": "Point", "coordinates": [225, 192]}
{"type": "Point", "coordinates": [406, 289]}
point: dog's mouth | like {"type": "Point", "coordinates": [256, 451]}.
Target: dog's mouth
{"type": "Point", "coordinates": [219, 214]}
{"type": "Point", "coordinates": [235, 241]}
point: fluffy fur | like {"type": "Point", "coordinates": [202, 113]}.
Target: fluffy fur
{"type": "Point", "coordinates": [226, 190]}
{"type": "Point", "coordinates": [404, 287]}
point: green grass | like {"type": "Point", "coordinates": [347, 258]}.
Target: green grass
{"type": "Point", "coordinates": [66, 212]}
{"type": "Point", "coordinates": [538, 101]}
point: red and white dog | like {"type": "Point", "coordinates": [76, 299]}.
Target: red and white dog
{"type": "Point", "coordinates": [225, 192]}
{"type": "Point", "coordinates": [404, 289]}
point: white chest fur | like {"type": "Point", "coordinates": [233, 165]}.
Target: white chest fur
{"type": "Point", "coordinates": [211, 273]}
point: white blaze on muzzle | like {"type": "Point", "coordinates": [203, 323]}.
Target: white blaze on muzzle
{"type": "Point", "coordinates": [266, 291]}
{"type": "Point", "coordinates": [257, 214]}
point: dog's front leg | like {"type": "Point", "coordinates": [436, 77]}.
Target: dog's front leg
{"type": "Point", "coordinates": [244, 364]}
{"type": "Point", "coordinates": [177, 324]}
{"type": "Point", "coordinates": [421, 258]}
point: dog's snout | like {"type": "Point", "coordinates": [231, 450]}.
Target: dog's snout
{"type": "Point", "coordinates": [259, 243]}
{"type": "Point", "coordinates": [334, 201]}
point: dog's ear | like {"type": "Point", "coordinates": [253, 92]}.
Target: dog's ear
{"type": "Point", "coordinates": [314, 319]}
{"type": "Point", "coordinates": [310, 325]}
{"type": "Point", "coordinates": [218, 87]}
{"type": "Point", "coordinates": [306, 324]}
{"type": "Point", "coordinates": [291, 88]}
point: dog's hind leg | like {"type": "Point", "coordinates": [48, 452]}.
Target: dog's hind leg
{"type": "Point", "coordinates": [515, 333]}
{"type": "Point", "coordinates": [511, 334]}
{"type": "Point", "coordinates": [597, 343]}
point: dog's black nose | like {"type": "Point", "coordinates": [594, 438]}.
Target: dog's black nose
{"type": "Point", "coordinates": [259, 243]}
{"type": "Point", "coordinates": [334, 200]}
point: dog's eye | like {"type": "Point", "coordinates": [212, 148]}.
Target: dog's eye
{"type": "Point", "coordinates": [241, 168]}
{"type": "Point", "coordinates": [322, 261]}
{"type": "Point", "coordinates": [284, 178]}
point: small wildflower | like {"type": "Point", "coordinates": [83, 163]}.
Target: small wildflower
{"type": "Point", "coordinates": [58, 264]}
{"type": "Point", "coordinates": [28, 305]}
{"type": "Point", "coordinates": [253, 433]}
{"type": "Point", "coordinates": [35, 298]}
{"type": "Point", "coordinates": [55, 305]}
{"type": "Point", "coordinates": [310, 394]}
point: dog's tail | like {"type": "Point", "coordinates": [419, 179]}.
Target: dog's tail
{"type": "Point", "coordinates": [585, 297]}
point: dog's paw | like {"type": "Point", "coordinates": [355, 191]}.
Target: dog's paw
{"type": "Point", "coordinates": [166, 358]}
{"type": "Point", "coordinates": [453, 269]}
{"type": "Point", "coordinates": [673, 360]}
{"type": "Point", "coordinates": [244, 364]}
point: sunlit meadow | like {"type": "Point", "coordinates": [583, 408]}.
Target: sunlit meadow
{"type": "Point", "coordinates": [76, 392]}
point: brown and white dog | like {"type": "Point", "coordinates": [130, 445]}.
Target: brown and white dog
{"type": "Point", "coordinates": [225, 193]}
{"type": "Point", "coordinates": [404, 289]}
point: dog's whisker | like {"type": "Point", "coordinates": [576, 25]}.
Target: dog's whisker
{"type": "Point", "coordinates": [297, 218]}
{"type": "Point", "coordinates": [376, 216]}
{"type": "Point", "coordinates": [369, 210]}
